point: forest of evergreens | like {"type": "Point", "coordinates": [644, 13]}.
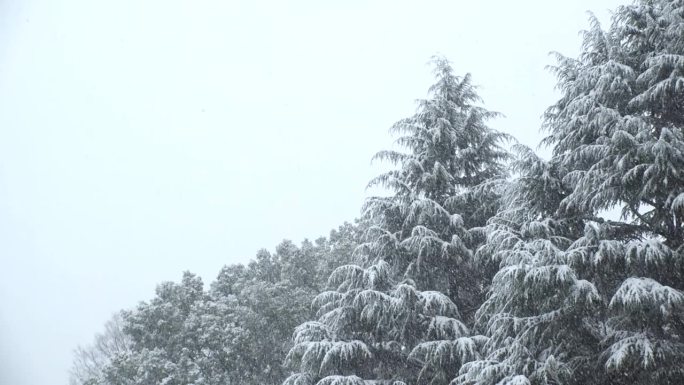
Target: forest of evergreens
{"type": "Point", "coordinates": [483, 264]}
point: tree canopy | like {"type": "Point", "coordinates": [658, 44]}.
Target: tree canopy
{"type": "Point", "coordinates": [481, 265]}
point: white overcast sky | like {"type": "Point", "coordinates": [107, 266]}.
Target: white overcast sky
{"type": "Point", "coordinates": [141, 138]}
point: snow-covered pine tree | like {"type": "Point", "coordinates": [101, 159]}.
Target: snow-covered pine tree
{"type": "Point", "coordinates": [372, 329]}
{"type": "Point", "coordinates": [443, 191]}
{"type": "Point", "coordinates": [603, 306]}
{"type": "Point", "coordinates": [619, 130]}
{"type": "Point", "coordinates": [392, 318]}
{"type": "Point", "coordinates": [538, 316]}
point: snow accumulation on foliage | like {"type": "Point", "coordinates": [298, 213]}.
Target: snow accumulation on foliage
{"type": "Point", "coordinates": [482, 266]}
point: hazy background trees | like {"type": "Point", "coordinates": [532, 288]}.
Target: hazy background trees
{"type": "Point", "coordinates": [89, 361]}
{"type": "Point", "coordinates": [236, 331]}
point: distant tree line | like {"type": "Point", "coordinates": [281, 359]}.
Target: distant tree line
{"type": "Point", "coordinates": [483, 265]}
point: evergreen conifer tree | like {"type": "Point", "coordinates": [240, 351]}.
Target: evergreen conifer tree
{"type": "Point", "coordinates": [393, 317]}
{"type": "Point", "coordinates": [580, 299]}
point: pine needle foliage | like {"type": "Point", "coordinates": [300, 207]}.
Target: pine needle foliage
{"type": "Point", "coordinates": [577, 298]}
{"type": "Point", "coordinates": [397, 315]}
